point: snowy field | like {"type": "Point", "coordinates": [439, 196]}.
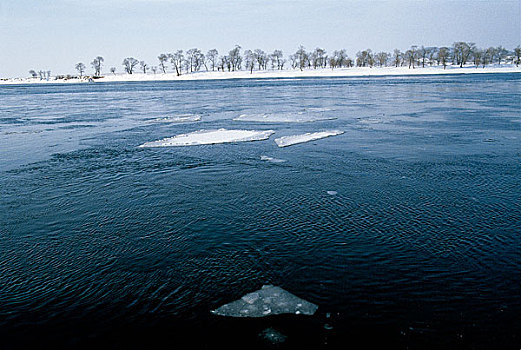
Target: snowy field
{"type": "Point", "coordinates": [277, 74]}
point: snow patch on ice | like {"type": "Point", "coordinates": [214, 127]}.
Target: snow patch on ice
{"type": "Point", "coordinates": [297, 117]}
{"type": "Point", "coordinates": [209, 137]}
{"type": "Point", "coordinates": [295, 139]}
{"type": "Point", "coordinates": [269, 300]}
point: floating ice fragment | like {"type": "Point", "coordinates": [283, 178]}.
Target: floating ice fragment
{"type": "Point", "coordinates": [208, 137]}
{"type": "Point", "coordinates": [269, 300]}
{"type": "Point", "coordinates": [181, 118]}
{"type": "Point", "coordinates": [332, 193]}
{"type": "Point", "coordinates": [295, 139]}
{"type": "Point", "coordinates": [298, 117]}
{"type": "Point", "coordinates": [272, 160]}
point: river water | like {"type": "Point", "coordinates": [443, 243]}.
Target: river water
{"type": "Point", "coordinates": [404, 230]}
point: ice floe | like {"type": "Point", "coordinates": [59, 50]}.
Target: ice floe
{"type": "Point", "coordinates": [269, 300]}
{"type": "Point", "coordinates": [272, 160]}
{"type": "Point", "coordinates": [180, 118]}
{"type": "Point", "coordinates": [332, 193]}
{"type": "Point", "coordinates": [209, 137]}
{"type": "Point", "coordinates": [297, 117]}
{"type": "Point", "coordinates": [285, 141]}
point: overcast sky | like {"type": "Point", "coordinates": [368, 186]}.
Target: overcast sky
{"type": "Point", "coordinates": [56, 34]}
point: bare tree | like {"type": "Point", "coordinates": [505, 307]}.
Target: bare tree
{"type": "Point", "coordinates": [211, 57]}
{"type": "Point", "coordinates": [478, 57]}
{"type": "Point", "coordinates": [80, 67]}
{"type": "Point", "coordinates": [397, 57]}
{"type": "Point", "coordinates": [517, 52]}
{"type": "Point", "coordinates": [197, 60]}
{"type": "Point", "coordinates": [192, 59]}
{"type": "Point", "coordinates": [382, 58]}
{"type": "Point", "coordinates": [262, 58]}
{"type": "Point", "coordinates": [340, 59]}
{"type": "Point", "coordinates": [223, 61]}
{"type": "Point", "coordinates": [163, 58]}
{"type": "Point", "coordinates": [462, 52]}
{"type": "Point", "coordinates": [177, 60]}
{"type": "Point", "coordinates": [422, 53]}
{"type": "Point", "coordinates": [332, 61]}
{"type": "Point", "coordinates": [113, 70]}
{"type": "Point", "coordinates": [411, 55]}
{"type": "Point", "coordinates": [294, 61]}
{"type": "Point", "coordinates": [144, 66]}
{"type": "Point", "coordinates": [443, 56]}
{"type": "Point", "coordinates": [432, 52]}
{"type": "Point", "coordinates": [249, 60]}
{"type": "Point", "coordinates": [488, 56]}
{"type": "Point", "coordinates": [96, 64]}
{"type": "Point", "coordinates": [154, 69]}
{"type": "Point", "coordinates": [501, 52]}
{"type": "Point", "coordinates": [318, 58]}
{"type": "Point", "coordinates": [235, 59]}
{"type": "Point", "coordinates": [365, 58]}
{"type": "Point", "coordinates": [130, 63]}
{"type": "Point", "coordinates": [277, 58]}
{"type": "Point", "coordinates": [302, 57]}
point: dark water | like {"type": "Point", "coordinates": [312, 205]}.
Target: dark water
{"type": "Point", "coordinates": [107, 245]}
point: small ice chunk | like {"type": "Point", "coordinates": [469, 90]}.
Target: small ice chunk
{"type": "Point", "coordinates": [272, 160]}
{"type": "Point", "coordinates": [332, 193]}
{"type": "Point", "coordinates": [298, 117]}
{"type": "Point", "coordinates": [209, 137]}
{"type": "Point", "coordinates": [269, 300]}
{"type": "Point", "coordinates": [285, 141]}
{"type": "Point", "coordinates": [180, 118]}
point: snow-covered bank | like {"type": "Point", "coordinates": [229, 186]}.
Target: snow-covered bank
{"type": "Point", "coordinates": [277, 74]}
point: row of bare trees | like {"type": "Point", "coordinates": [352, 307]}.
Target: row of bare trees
{"type": "Point", "coordinates": [460, 54]}
{"type": "Point", "coordinates": [194, 60]}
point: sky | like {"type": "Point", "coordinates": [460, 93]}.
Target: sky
{"type": "Point", "coordinates": [56, 34]}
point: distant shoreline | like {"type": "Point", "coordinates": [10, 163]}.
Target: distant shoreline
{"type": "Point", "coordinates": [353, 72]}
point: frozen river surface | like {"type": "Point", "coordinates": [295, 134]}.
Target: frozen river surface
{"type": "Point", "coordinates": [403, 228]}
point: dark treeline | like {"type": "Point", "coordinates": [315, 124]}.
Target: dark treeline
{"type": "Point", "coordinates": [194, 60]}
